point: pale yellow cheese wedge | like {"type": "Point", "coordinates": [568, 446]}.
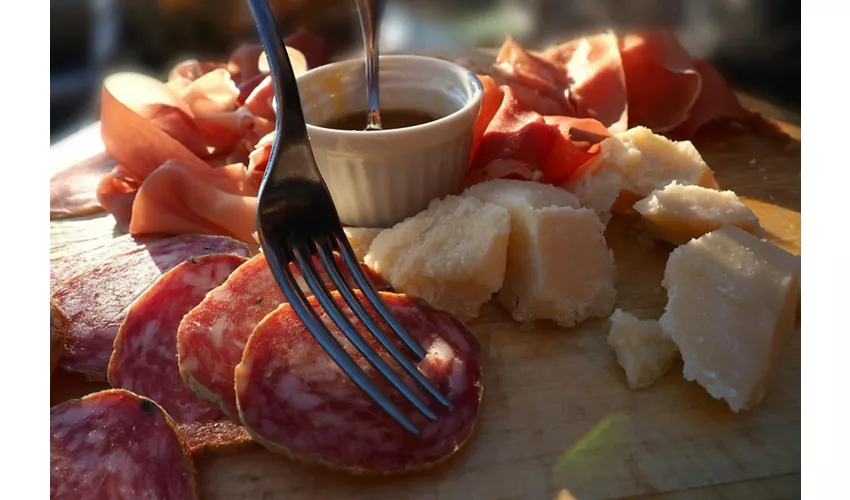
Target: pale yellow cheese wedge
{"type": "Point", "coordinates": [634, 163]}
{"type": "Point", "coordinates": [559, 267]}
{"type": "Point", "coordinates": [642, 349]}
{"type": "Point", "coordinates": [731, 303]}
{"type": "Point", "coordinates": [361, 239]}
{"type": "Point", "coordinates": [452, 254]}
{"type": "Point", "coordinates": [680, 213]}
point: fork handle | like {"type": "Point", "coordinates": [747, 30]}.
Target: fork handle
{"type": "Point", "coordinates": [281, 71]}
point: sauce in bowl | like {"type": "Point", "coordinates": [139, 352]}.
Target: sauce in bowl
{"type": "Point", "coordinates": [391, 118]}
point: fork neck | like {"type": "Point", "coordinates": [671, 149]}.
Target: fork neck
{"type": "Point", "coordinates": [290, 117]}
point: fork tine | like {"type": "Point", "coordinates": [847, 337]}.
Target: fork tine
{"type": "Point", "coordinates": [326, 255]}
{"type": "Point", "coordinates": [308, 316]}
{"type": "Point", "coordinates": [347, 254]}
{"type": "Point", "coordinates": [322, 294]}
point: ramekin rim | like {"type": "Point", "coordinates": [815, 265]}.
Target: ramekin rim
{"type": "Point", "coordinates": [464, 74]}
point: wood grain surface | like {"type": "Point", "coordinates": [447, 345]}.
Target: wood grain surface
{"type": "Point", "coordinates": [558, 420]}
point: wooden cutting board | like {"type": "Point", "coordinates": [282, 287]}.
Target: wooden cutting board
{"type": "Point", "coordinates": [557, 417]}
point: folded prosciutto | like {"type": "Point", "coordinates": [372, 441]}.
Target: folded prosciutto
{"type": "Point", "coordinates": [190, 152]}
{"type": "Point", "coordinates": [544, 113]}
{"type": "Point", "coordinates": [206, 114]}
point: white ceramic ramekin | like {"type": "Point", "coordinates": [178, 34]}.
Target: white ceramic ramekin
{"type": "Point", "coordinates": [379, 178]}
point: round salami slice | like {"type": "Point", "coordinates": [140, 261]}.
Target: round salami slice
{"type": "Point", "coordinates": [144, 359]}
{"type": "Point", "coordinates": [116, 444]}
{"type": "Point", "coordinates": [58, 323]}
{"type": "Point", "coordinates": [211, 336]}
{"type": "Point", "coordinates": [97, 299]}
{"type": "Point", "coordinates": [294, 399]}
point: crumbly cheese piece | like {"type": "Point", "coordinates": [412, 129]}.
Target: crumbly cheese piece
{"type": "Point", "coordinates": [634, 163]}
{"type": "Point", "coordinates": [680, 213]}
{"type": "Point", "coordinates": [559, 267]}
{"type": "Point", "coordinates": [452, 254]}
{"type": "Point", "coordinates": [731, 303]}
{"type": "Point", "coordinates": [361, 239]}
{"type": "Point", "coordinates": [642, 349]}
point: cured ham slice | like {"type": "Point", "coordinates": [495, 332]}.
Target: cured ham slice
{"type": "Point", "coordinates": [645, 79]}
{"type": "Point", "coordinates": [662, 83]}
{"type": "Point", "coordinates": [294, 399]}
{"type": "Point", "coordinates": [314, 48]}
{"type": "Point", "coordinates": [144, 359]}
{"type": "Point", "coordinates": [186, 72]}
{"type": "Point", "coordinates": [128, 133]}
{"type": "Point", "coordinates": [97, 299]}
{"type": "Point", "coordinates": [259, 101]}
{"type": "Point", "coordinates": [168, 138]}
{"type": "Point", "coordinates": [716, 101]}
{"type": "Point", "coordinates": [304, 48]}
{"type": "Point", "coordinates": [608, 84]}
{"type": "Point", "coordinates": [530, 70]}
{"type": "Point", "coordinates": [183, 198]}
{"type": "Point", "coordinates": [597, 86]}
{"type": "Point", "coordinates": [200, 118]}
{"type": "Point", "coordinates": [73, 190]}
{"type": "Point", "coordinates": [116, 444]}
{"type": "Point", "coordinates": [211, 336]}
{"type": "Point", "coordinates": [519, 143]}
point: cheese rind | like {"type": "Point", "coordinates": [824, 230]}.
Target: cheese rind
{"type": "Point", "coordinates": [361, 239]}
{"type": "Point", "coordinates": [559, 267]}
{"type": "Point", "coordinates": [634, 163]}
{"type": "Point", "coordinates": [732, 302]}
{"type": "Point", "coordinates": [680, 213]}
{"type": "Point", "coordinates": [452, 254]}
{"type": "Point", "coordinates": [642, 349]}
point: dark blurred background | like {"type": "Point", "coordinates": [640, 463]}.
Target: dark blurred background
{"type": "Point", "coordinates": [754, 43]}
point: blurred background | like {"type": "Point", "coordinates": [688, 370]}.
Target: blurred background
{"type": "Point", "coordinates": [754, 43]}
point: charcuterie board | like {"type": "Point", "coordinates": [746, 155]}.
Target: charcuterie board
{"type": "Point", "coordinates": [557, 415]}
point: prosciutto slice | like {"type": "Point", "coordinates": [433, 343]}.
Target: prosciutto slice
{"type": "Point", "coordinates": [603, 84]}
{"type": "Point", "coordinates": [519, 143]}
{"type": "Point", "coordinates": [661, 80]}
{"type": "Point", "coordinates": [597, 86]}
{"type": "Point", "coordinates": [181, 147]}
{"type": "Point", "coordinates": [73, 190]}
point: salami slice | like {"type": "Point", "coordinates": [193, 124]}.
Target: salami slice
{"type": "Point", "coordinates": [116, 444]}
{"type": "Point", "coordinates": [58, 322]}
{"type": "Point", "coordinates": [96, 300]}
{"type": "Point", "coordinates": [144, 359]}
{"type": "Point", "coordinates": [211, 336]}
{"type": "Point", "coordinates": [68, 266]}
{"type": "Point", "coordinates": [294, 399]}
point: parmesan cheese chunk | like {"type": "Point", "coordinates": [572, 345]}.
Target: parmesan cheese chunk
{"type": "Point", "coordinates": [559, 267]}
{"type": "Point", "coordinates": [680, 213]}
{"type": "Point", "coordinates": [452, 254]}
{"type": "Point", "coordinates": [634, 163]}
{"type": "Point", "coordinates": [642, 349]}
{"type": "Point", "coordinates": [361, 239]}
{"type": "Point", "coordinates": [731, 303]}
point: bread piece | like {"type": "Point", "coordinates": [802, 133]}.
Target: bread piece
{"type": "Point", "coordinates": [452, 254]}
{"type": "Point", "coordinates": [559, 267]}
{"type": "Point", "coordinates": [58, 329]}
{"type": "Point", "coordinates": [361, 239]}
{"type": "Point", "coordinates": [631, 165]}
{"type": "Point", "coordinates": [731, 304]}
{"type": "Point", "coordinates": [680, 213]}
{"type": "Point", "coordinates": [642, 349]}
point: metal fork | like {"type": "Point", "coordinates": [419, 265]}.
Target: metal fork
{"type": "Point", "coordinates": [296, 220]}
